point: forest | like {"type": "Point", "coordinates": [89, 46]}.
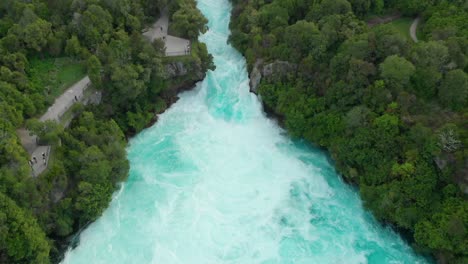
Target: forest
{"type": "Point", "coordinates": [46, 45]}
{"type": "Point", "coordinates": [392, 113]}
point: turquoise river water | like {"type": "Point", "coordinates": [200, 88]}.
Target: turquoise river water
{"type": "Point", "coordinates": [215, 181]}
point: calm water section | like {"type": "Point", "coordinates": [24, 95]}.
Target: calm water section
{"type": "Point", "coordinates": [215, 182]}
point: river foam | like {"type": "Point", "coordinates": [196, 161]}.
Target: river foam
{"type": "Point", "coordinates": [215, 181]}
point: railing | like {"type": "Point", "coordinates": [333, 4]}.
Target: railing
{"type": "Point", "coordinates": [178, 53]}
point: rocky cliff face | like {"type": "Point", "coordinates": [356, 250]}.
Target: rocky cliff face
{"type": "Point", "coordinates": [181, 76]}
{"type": "Point", "coordinates": [275, 71]}
{"type": "Point", "coordinates": [256, 76]}
{"type": "Point", "coordinates": [175, 69]}
{"type": "Point", "coordinates": [189, 68]}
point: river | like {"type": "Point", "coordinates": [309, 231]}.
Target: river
{"type": "Point", "coordinates": [216, 181]}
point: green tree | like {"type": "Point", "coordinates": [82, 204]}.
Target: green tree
{"type": "Point", "coordinates": [32, 30]}
{"type": "Point", "coordinates": [63, 218]}
{"type": "Point", "coordinates": [396, 70]}
{"type": "Point", "coordinates": [92, 199]}
{"type": "Point", "coordinates": [73, 47]}
{"type": "Point", "coordinates": [362, 7]}
{"type": "Point", "coordinates": [387, 41]}
{"type": "Point", "coordinates": [430, 54]}
{"type": "Point", "coordinates": [95, 168]}
{"type": "Point", "coordinates": [188, 21]}
{"type": "Point", "coordinates": [425, 82]}
{"type": "Point", "coordinates": [48, 131]}
{"type": "Point", "coordinates": [95, 26]}
{"type": "Point", "coordinates": [453, 91]}
{"type": "Point", "coordinates": [378, 6]}
{"type": "Point", "coordinates": [304, 38]}
{"type": "Point", "coordinates": [94, 70]}
{"type": "Point", "coordinates": [21, 238]}
{"type": "Point", "coordinates": [447, 230]}
{"type": "Point", "coordinates": [271, 16]}
{"type": "Point", "coordinates": [413, 7]}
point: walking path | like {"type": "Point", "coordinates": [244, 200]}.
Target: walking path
{"type": "Point", "coordinates": [66, 100]}
{"type": "Point", "coordinates": [61, 105]}
{"type": "Point", "coordinates": [175, 46]}
{"type": "Point", "coordinates": [413, 29]}
{"type": "Point", "coordinates": [383, 20]}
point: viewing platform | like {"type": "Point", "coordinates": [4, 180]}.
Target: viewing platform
{"type": "Point", "coordinates": [39, 154]}
{"type": "Point", "coordinates": [175, 46]}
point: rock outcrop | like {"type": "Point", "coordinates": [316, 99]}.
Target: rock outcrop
{"type": "Point", "coordinates": [175, 69]}
{"type": "Point", "coordinates": [255, 76]}
{"type": "Point", "coordinates": [275, 71]}
{"type": "Point", "coordinates": [278, 70]}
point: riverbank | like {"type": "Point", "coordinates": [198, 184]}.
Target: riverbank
{"type": "Point", "coordinates": [364, 97]}
{"type": "Point", "coordinates": [73, 239]}
{"type": "Point", "coordinates": [88, 157]}
{"type": "Point", "coordinates": [134, 106]}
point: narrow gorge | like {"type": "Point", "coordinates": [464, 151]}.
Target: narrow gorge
{"type": "Point", "coordinates": [216, 181]}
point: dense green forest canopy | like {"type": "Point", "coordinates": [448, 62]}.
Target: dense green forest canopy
{"type": "Point", "coordinates": [103, 38]}
{"type": "Point", "coordinates": [392, 113]}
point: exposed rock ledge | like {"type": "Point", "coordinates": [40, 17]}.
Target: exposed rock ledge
{"type": "Point", "coordinates": [275, 71]}
{"type": "Point", "coordinates": [175, 69]}
{"type": "Point", "coordinates": [255, 76]}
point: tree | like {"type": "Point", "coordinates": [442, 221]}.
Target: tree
{"type": "Point", "coordinates": [35, 35]}
{"type": "Point", "coordinates": [430, 54]}
{"type": "Point", "coordinates": [188, 21]}
{"type": "Point", "coordinates": [94, 70]}
{"type": "Point", "coordinates": [358, 117]}
{"type": "Point", "coordinates": [361, 7]}
{"type": "Point", "coordinates": [387, 41]}
{"type": "Point", "coordinates": [413, 7]}
{"type": "Point", "coordinates": [304, 38]}
{"type": "Point", "coordinates": [91, 201]}
{"type": "Point", "coordinates": [48, 131]}
{"type": "Point", "coordinates": [425, 82]}
{"type": "Point", "coordinates": [94, 169]}
{"type": "Point", "coordinates": [453, 92]}
{"type": "Point", "coordinates": [271, 16]}
{"type": "Point", "coordinates": [21, 238]}
{"type": "Point", "coordinates": [95, 26]}
{"type": "Point", "coordinates": [396, 70]}
{"type": "Point", "coordinates": [73, 47]}
{"type": "Point", "coordinates": [32, 31]}
{"type": "Point", "coordinates": [378, 6]}
{"type": "Point", "coordinates": [55, 45]}
{"type": "Point", "coordinates": [447, 229]}
{"type": "Point", "coordinates": [127, 83]}
{"type": "Point", "coordinates": [448, 138]}
{"type": "Point", "coordinates": [63, 216]}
